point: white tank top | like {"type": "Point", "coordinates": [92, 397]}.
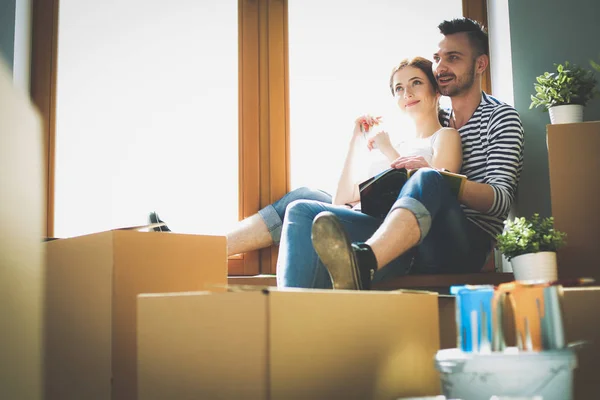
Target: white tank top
{"type": "Point", "coordinates": [409, 147]}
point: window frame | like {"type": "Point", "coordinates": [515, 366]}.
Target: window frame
{"type": "Point", "coordinates": [264, 167]}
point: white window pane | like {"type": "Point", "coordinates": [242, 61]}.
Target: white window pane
{"type": "Point", "coordinates": [341, 55]}
{"type": "Point", "coordinates": [147, 115]}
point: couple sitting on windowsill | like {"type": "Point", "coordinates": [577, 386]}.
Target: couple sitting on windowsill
{"type": "Point", "coordinates": [324, 242]}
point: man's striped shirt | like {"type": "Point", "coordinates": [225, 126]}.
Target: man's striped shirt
{"type": "Point", "coordinates": [492, 144]}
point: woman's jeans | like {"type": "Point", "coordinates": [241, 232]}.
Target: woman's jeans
{"type": "Point", "coordinates": [273, 214]}
{"type": "Point", "coordinates": [449, 243]}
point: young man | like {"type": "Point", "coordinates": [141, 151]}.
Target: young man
{"type": "Point", "coordinates": [427, 230]}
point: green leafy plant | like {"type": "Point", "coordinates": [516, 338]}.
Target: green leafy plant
{"type": "Point", "coordinates": [595, 65]}
{"type": "Point", "coordinates": [570, 84]}
{"type": "Point", "coordinates": [523, 236]}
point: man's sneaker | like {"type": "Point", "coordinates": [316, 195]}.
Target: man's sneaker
{"type": "Point", "coordinates": [350, 265]}
{"type": "Point", "coordinates": [153, 218]}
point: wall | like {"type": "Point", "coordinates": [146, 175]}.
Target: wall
{"type": "Point", "coordinates": [7, 30]}
{"type": "Point", "coordinates": [22, 50]}
{"type": "Point", "coordinates": [544, 32]}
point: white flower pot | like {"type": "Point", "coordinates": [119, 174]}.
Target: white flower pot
{"type": "Point", "coordinates": [566, 114]}
{"type": "Point", "coordinates": [535, 266]}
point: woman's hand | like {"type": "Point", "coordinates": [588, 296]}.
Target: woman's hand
{"type": "Point", "coordinates": [365, 123]}
{"type": "Point", "coordinates": [381, 140]}
{"type": "Point", "coordinates": [410, 162]}
{"type": "Point", "coordinates": [347, 189]}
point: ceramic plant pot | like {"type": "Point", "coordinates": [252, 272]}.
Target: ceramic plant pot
{"type": "Point", "coordinates": [535, 266]}
{"type": "Point", "coordinates": [567, 114]}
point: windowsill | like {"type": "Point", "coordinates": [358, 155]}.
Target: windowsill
{"type": "Point", "coordinates": [440, 283]}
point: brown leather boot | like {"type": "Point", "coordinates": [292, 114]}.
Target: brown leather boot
{"type": "Point", "coordinates": [350, 265]}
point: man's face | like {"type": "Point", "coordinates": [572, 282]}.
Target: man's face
{"type": "Point", "coordinates": [454, 64]}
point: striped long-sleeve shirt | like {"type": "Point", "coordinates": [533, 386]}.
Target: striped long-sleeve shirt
{"type": "Point", "coordinates": [492, 144]}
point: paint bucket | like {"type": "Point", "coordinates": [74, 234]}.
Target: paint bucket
{"type": "Point", "coordinates": [538, 315]}
{"type": "Point", "coordinates": [475, 376]}
{"type": "Point", "coordinates": [474, 317]}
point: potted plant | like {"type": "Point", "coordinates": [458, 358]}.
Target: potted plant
{"type": "Point", "coordinates": [595, 65]}
{"type": "Point", "coordinates": [530, 245]}
{"type": "Point", "coordinates": [565, 92]}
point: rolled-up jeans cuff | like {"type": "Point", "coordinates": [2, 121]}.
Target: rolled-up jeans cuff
{"type": "Point", "coordinates": [420, 212]}
{"type": "Point", "coordinates": [273, 222]}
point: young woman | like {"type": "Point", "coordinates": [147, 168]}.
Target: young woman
{"type": "Point", "coordinates": [415, 90]}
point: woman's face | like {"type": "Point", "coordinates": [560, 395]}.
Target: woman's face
{"type": "Point", "coordinates": [413, 92]}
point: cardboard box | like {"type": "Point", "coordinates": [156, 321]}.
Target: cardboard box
{"type": "Point", "coordinates": [21, 257]}
{"type": "Point", "coordinates": [287, 344]}
{"type": "Point", "coordinates": [92, 284]}
{"type": "Point", "coordinates": [582, 323]}
{"type": "Point", "coordinates": [574, 193]}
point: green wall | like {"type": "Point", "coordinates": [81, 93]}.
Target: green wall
{"type": "Point", "coordinates": [544, 32]}
{"type": "Point", "coordinates": [7, 31]}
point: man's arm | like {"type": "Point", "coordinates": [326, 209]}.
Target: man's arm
{"type": "Point", "coordinates": [477, 196]}
{"type": "Point", "coordinates": [503, 165]}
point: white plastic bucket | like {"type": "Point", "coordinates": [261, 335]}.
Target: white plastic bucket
{"type": "Point", "coordinates": [475, 376]}
{"type": "Point", "coordinates": [425, 398]}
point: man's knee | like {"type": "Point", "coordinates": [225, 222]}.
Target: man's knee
{"type": "Point", "coordinates": [426, 183]}
{"type": "Point", "coordinates": [427, 176]}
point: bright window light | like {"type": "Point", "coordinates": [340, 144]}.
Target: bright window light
{"type": "Point", "coordinates": [147, 115]}
{"type": "Point", "coordinates": [341, 56]}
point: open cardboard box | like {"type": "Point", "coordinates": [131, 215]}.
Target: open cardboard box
{"type": "Point", "coordinates": [90, 303]}
{"type": "Point", "coordinates": [287, 344]}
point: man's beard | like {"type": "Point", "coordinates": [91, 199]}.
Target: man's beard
{"type": "Point", "coordinates": [462, 86]}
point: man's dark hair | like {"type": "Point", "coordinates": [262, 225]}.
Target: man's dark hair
{"type": "Point", "coordinates": [474, 30]}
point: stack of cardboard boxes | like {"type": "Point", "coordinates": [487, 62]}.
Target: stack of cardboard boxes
{"type": "Point", "coordinates": [188, 338]}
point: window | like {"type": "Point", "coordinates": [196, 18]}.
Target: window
{"type": "Point", "coordinates": [146, 115]}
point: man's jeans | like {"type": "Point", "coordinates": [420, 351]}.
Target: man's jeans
{"type": "Point", "coordinates": [449, 242]}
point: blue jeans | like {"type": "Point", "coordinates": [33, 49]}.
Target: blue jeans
{"type": "Point", "coordinates": [449, 242]}
{"type": "Point", "coordinates": [273, 214]}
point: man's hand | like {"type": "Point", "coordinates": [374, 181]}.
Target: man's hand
{"type": "Point", "coordinates": [410, 162]}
